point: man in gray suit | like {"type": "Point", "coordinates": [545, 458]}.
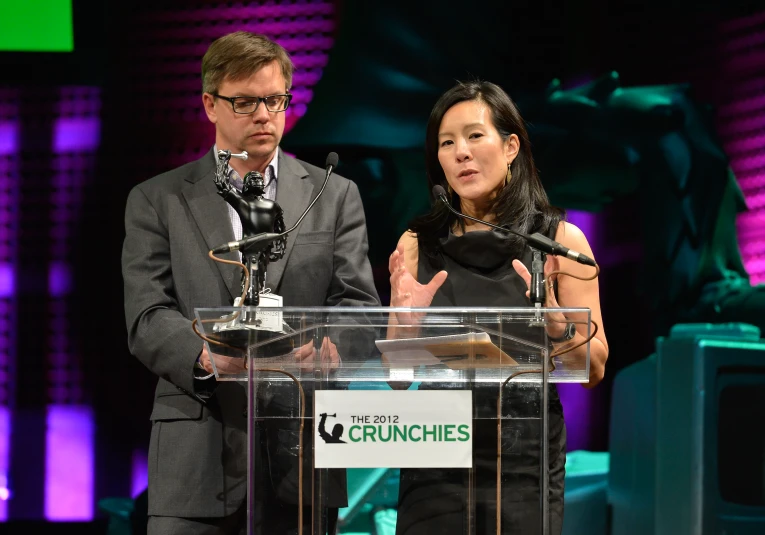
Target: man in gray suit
{"type": "Point", "coordinates": [197, 453]}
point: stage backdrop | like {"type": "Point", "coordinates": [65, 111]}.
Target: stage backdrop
{"type": "Point", "coordinates": [79, 129]}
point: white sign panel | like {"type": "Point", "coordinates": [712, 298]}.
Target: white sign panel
{"type": "Point", "coordinates": [393, 429]}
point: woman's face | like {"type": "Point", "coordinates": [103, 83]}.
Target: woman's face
{"type": "Point", "coordinates": [473, 155]}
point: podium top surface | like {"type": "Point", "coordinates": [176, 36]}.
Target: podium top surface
{"type": "Point", "coordinates": [433, 344]}
{"type": "Point", "coordinates": [526, 311]}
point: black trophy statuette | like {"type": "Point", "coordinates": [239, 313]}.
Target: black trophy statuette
{"type": "Point", "coordinates": [258, 215]}
{"type": "Point", "coordinates": [264, 240]}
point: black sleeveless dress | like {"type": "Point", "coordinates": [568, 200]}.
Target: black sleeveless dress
{"type": "Point", "coordinates": [480, 271]}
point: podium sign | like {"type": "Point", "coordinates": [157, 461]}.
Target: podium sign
{"type": "Point", "coordinates": [393, 429]}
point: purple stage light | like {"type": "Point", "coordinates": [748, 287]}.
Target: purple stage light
{"type": "Point", "coordinates": [9, 137]}
{"type": "Point", "coordinates": [69, 462]}
{"type": "Point", "coordinates": [5, 435]}
{"type": "Point", "coordinates": [69, 440]}
{"type": "Point", "coordinates": [59, 279]}
{"type": "Point", "coordinates": [587, 223]}
{"type": "Point", "coordinates": [741, 123]}
{"type": "Point", "coordinates": [577, 409]}
{"type": "Point", "coordinates": [576, 400]}
{"type": "Point", "coordinates": [9, 214]}
{"type": "Point", "coordinates": [78, 134]}
{"type": "Point", "coordinates": [7, 280]}
{"type": "Point", "coordinates": [140, 473]}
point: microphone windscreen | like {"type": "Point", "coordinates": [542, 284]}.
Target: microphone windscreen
{"type": "Point", "coordinates": [438, 191]}
{"type": "Point", "coordinates": [332, 160]}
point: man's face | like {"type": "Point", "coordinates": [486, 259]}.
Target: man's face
{"type": "Point", "coordinates": [258, 133]}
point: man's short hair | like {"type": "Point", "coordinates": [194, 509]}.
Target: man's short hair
{"type": "Point", "coordinates": [238, 55]}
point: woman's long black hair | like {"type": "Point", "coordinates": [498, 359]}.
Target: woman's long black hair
{"type": "Point", "coordinates": [522, 204]}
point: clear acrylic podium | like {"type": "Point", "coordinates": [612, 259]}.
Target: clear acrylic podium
{"type": "Point", "coordinates": [402, 429]}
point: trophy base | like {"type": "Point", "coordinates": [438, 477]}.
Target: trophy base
{"type": "Point", "coordinates": [241, 337]}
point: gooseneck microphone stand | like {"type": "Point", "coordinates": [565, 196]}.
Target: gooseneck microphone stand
{"type": "Point", "coordinates": [538, 287]}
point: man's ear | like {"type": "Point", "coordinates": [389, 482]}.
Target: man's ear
{"type": "Point", "coordinates": [208, 101]}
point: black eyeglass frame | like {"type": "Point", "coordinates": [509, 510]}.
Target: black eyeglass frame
{"type": "Point", "coordinates": [233, 100]}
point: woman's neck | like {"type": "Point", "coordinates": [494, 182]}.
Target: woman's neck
{"type": "Point", "coordinates": [479, 211]}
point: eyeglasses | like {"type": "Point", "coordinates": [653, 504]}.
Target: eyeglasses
{"type": "Point", "coordinates": [248, 105]}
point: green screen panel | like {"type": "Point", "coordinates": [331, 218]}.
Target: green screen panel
{"type": "Point", "coordinates": [36, 26]}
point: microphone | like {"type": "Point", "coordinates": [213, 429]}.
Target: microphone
{"type": "Point", "coordinates": [331, 162]}
{"type": "Point", "coordinates": [536, 240]}
{"type": "Point", "coordinates": [261, 241]}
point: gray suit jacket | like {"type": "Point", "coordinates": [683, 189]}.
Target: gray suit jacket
{"type": "Point", "coordinates": [197, 451]}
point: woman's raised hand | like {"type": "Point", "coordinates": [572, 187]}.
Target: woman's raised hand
{"type": "Point", "coordinates": [405, 291]}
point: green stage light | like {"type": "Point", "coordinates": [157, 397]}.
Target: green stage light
{"type": "Point", "coordinates": [36, 26]}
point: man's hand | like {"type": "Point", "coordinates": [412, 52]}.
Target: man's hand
{"type": "Point", "coordinates": [224, 365]}
{"type": "Point", "coordinates": [306, 355]}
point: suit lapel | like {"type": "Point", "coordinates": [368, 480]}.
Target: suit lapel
{"type": "Point", "coordinates": [210, 212]}
{"type": "Point", "coordinates": [293, 193]}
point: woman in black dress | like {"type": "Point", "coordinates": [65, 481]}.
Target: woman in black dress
{"type": "Point", "coordinates": [477, 149]}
